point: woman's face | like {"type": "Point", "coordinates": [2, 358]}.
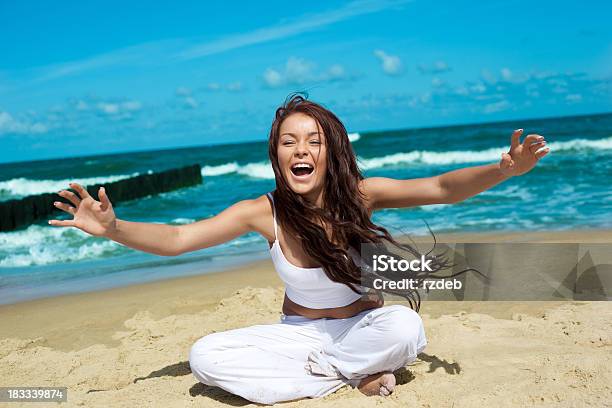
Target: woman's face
{"type": "Point", "coordinates": [302, 155]}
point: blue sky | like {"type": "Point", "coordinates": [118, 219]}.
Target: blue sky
{"type": "Point", "coordinates": [80, 78]}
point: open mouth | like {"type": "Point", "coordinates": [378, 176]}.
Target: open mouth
{"type": "Point", "coordinates": [302, 169]}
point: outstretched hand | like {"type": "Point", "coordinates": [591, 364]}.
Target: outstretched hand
{"type": "Point", "coordinates": [522, 157]}
{"type": "Point", "coordinates": [94, 217]}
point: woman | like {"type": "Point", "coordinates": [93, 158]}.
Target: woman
{"type": "Point", "coordinates": [329, 334]}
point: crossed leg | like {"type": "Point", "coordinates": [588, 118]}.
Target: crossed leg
{"type": "Point", "coordinates": [263, 363]}
{"type": "Point", "coordinates": [282, 362]}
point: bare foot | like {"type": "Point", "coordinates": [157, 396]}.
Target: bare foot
{"type": "Point", "coordinates": [378, 384]}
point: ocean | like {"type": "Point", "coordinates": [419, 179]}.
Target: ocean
{"type": "Point", "coordinates": [570, 188]}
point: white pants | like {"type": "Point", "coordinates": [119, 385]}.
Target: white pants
{"type": "Point", "coordinates": [300, 357]}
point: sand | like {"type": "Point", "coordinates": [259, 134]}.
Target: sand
{"type": "Point", "coordinates": [129, 346]}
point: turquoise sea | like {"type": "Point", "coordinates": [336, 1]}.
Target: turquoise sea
{"type": "Point", "coordinates": [571, 188]}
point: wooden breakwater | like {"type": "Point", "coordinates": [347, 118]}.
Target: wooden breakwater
{"type": "Point", "coordinates": [22, 212]}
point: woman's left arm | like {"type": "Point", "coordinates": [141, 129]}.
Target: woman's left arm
{"type": "Point", "coordinates": [457, 185]}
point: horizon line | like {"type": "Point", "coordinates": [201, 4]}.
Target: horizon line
{"type": "Point", "coordinates": [364, 132]}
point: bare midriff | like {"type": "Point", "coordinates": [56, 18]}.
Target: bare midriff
{"type": "Point", "coordinates": [292, 308]}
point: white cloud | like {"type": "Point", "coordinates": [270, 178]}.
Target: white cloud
{"type": "Point", "coordinates": [437, 67]}
{"type": "Point", "coordinates": [190, 102]}
{"type": "Point", "coordinates": [461, 90]}
{"type": "Point", "coordinates": [299, 71]}
{"type": "Point", "coordinates": [131, 105]}
{"type": "Point", "coordinates": [273, 78]}
{"type": "Point", "coordinates": [488, 77]}
{"type": "Point", "coordinates": [10, 125]}
{"type": "Point", "coordinates": [391, 64]}
{"type": "Point", "coordinates": [496, 106]}
{"type": "Point", "coordinates": [501, 98]}
{"type": "Point", "coordinates": [296, 71]}
{"type": "Point", "coordinates": [437, 82]}
{"type": "Point", "coordinates": [336, 71]}
{"type": "Point", "coordinates": [108, 108]}
{"type": "Point", "coordinates": [118, 108]}
{"type": "Point", "coordinates": [425, 98]}
{"type": "Point", "coordinates": [81, 105]}
{"type": "Point", "coordinates": [533, 94]}
{"type": "Point", "coordinates": [506, 74]}
{"type": "Point", "coordinates": [183, 91]}
{"type": "Point", "coordinates": [234, 86]}
{"type": "Point", "coordinates": [478, 87]}
{"type": "Point", "coordinates": [557, 81]}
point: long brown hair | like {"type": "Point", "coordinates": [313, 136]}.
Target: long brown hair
{"type": "Point", "coordinates": [343, 207]}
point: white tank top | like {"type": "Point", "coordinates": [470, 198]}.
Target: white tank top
{"type": "Point", "coordinates": [310, 287]}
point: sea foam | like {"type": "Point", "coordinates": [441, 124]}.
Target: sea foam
{"type": "Point", "coordinates": [22, 187]}
{"type": "Point", "coordinates": [263, 170]}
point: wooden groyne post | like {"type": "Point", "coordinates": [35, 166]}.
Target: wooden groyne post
{"type": "Point", "coordinates": [18, 213]}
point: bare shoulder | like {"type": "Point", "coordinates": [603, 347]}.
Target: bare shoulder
{"type": "Point", "coordinates": [259, 215]}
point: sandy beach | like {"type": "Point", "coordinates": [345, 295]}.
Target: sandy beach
{"type": "Point", "coordinates": [129, 346]}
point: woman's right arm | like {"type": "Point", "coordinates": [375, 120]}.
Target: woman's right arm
{"type": "Point", "coordinates": [98, 218]}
